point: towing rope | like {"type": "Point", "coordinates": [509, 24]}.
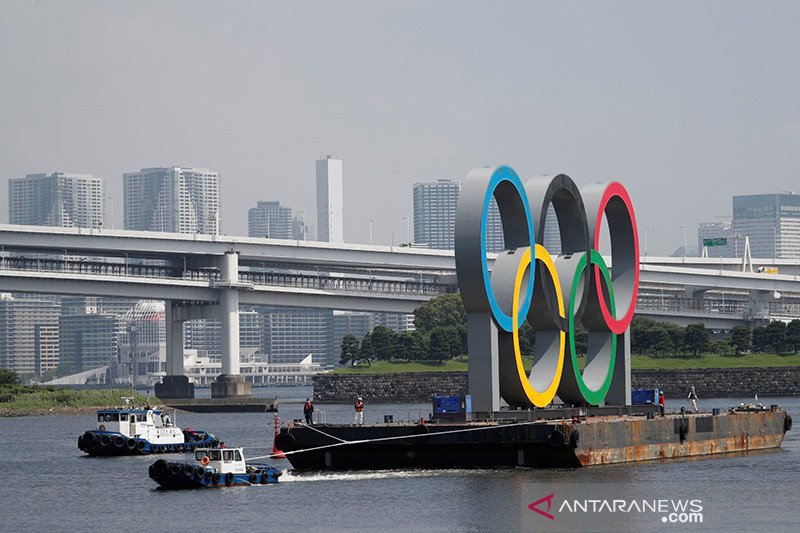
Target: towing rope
{"type": "Point", "coordinates": [368, 441]}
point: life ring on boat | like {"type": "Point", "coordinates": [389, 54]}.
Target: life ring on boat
{"type": "Point", "coordinates": [101, 427]}
{"type": "Point", "coordinates": [204, 461]}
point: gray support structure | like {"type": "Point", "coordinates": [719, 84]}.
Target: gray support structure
{"type": "Point", "coordinates": [484, 373]}
{"type": "Point", "coordinates": [175, 384]}
{"type": "Point", "coordinates": [229, 383]}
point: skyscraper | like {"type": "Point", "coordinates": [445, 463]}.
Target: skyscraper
{"type": "Point", "coordinates": [271, 220]}
{"type": "Point", "coordinates": [57, 199]}
{"type": "Point", "coordinates": [435, 204]}
{"type": "Point", "coordinates": [330, 200]}
{"type": "Point", "coordinates": [28, 334]}
{"type": "Point", "coordinates": [172, 199]}
{"type": "Point", "coordinates": [771, 221]}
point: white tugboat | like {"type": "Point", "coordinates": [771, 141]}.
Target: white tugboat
{"type": "Point", "coordinates": [136, 431]}
{"type": "Point", "coordinates": [214, 467]}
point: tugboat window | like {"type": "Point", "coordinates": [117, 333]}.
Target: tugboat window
{"type": "Point", "coordinates": [123, 417]}
{"type": "Point", "coordinates": [214, 455]}
{"type": "Point", "coordinates": [227, 455]}
{"type": "Point", "coordinates": [200, 455]}
{"type": "Point", "coordinates": [238, 456]}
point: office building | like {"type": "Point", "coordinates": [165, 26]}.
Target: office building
{"type": "Point", "coordinates": [270, 220]}
{"type": "Point", "coordinates": [330, 200]}
{"type": "Point", "coordinates": [28, 334]}
{"type": "Point", "coordinates": [57, 199]}
{"type": "Point", "coordinates": [205, 336]}
{"type": "Point", "coordinates": [435, 204]}
{"type": "Point", "coordinates": [292, 334]}
{"type": "Point", "coordinates": [88, 341]}
{"type": "Point", "coordinates": [717, 231]}
{"type": "Point", "coordinates": [771, 221]}
{"type": "Point", "coordinates": [172, 199]}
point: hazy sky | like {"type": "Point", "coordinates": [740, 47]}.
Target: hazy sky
{"type": "Point", "coordinates": [685, 103]}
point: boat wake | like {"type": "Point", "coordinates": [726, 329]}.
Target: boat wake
{"type": "Point", "coordinates": [360, 475]}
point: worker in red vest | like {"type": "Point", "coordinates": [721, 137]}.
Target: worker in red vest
{"type": "Point", "coordinates": [308, 411]}
{"type": "Point", "coordinates": [662, 402]}
{"type": "Point", "coordinates": [359, 406]}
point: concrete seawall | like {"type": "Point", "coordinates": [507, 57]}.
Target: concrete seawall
{"type": "Point", "coordinates": [413, 387]}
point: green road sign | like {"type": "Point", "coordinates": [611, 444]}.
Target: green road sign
{"type": "Point", "coordinates": [716, 241]}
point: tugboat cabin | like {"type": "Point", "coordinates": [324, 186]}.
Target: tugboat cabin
{"type": "Point", "coordinates": [132, 422]}
{"type": "Point", "coordinates": [223, 460]}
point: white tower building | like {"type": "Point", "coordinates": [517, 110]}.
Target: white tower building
{"type": "Point", "coordinates": [330, 200]}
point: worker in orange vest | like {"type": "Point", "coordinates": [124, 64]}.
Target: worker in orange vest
{"type": "Point", "coordinates": [359, 406]}
{"type": "Point", "coordinates": [308, 411]}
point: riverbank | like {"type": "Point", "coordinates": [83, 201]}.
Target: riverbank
{"type": "Point", "coordinates": [18, 400]}
{"type": "Point", "coordinates": [638, 362]}
{"type": "Point", "coordinates": [412, 387]}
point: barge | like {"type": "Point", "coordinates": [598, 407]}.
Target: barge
{"type": "Point", "coordinates": [511, 440]}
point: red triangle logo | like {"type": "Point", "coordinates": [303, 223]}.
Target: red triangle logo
{"type": "Point", "coordinates": [549, 499]}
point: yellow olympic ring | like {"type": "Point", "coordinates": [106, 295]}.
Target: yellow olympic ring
{"type": "Point", "coordinates": [538, 398]}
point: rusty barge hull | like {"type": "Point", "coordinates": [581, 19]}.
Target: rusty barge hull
{"type": "Point", "coordinates": [566, 443]}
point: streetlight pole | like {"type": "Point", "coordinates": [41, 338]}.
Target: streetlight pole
{"type": "Point", "coordinates": [371, 222]}
{"type": "Point", "coordinates": [392, 241]}
{"type": "Point", "coordinates": [408, 229]}
{"type": "Point", "coordinates": [684, 243]}
{"type": "Point", "coordinates": [646, 231]}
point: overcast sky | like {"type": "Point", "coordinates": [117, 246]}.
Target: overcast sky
{"type": "Point", "coordinates": [685, 103]}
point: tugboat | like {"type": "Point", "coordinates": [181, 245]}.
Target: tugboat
{"type": "Point", "coordinates": [139, 431]}
{"type": "Point", "coordinates": [215, 467]}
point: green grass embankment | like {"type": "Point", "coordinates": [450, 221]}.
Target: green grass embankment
{"type": "Point", "coordinates": [638, 362]}
{"type": "Point", "coordinates": [18, 400]}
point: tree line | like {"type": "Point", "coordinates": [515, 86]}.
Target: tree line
{"type": "Point", "coordinates": [441, 334]}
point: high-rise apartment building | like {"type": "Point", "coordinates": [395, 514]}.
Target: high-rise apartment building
{"type": "Point", "coordinates": [172, 199]}
{"type": "Point", "coordinates": [292, 334]}
{"type": "Point", "coordinates": [88, 341]}
{"type": "Point", "coordinates": [771, 221]}
{"type": "Point", "coordinates": [57, 199]}
{"type": "Point", "coordinates": [435, 204]}
{"type": "Point", "coordinates": [28, 334]}
{"type": "Point", "coordinates": [717, 230]}
{"type": "Point", "coordinates": [205, 336]}
{"type": "Point", "coordinates": [330, 200]}
{"type": "Point", "coordinates": [273, 221]}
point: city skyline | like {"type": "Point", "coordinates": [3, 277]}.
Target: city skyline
{"type": "Point", "coordinates": [662, 116]}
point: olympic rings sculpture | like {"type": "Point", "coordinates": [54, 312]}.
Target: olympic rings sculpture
{"type": "Point", "coordinates": [552, 293]}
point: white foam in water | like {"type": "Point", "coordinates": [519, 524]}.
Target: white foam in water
{"type": "Point", "coordinates": [292, 476]}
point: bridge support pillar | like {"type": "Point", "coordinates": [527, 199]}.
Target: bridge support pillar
{"type": "Point", "coordinates": [229, 383]}
{"type": "Point", "coordinates": [175, 384]}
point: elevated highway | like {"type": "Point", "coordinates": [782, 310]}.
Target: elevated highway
{"type": "Point", "coordinates": [205, 276]}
